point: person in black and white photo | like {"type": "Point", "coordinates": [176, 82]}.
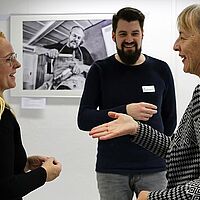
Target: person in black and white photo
{"type": "Point", "coordinates": [68, 63]}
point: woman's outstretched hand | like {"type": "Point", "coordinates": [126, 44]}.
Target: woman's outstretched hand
{"type": "Point", "coordinates": [121, 125]}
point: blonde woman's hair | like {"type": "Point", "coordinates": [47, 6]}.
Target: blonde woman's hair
{"type": "Point", "coordinates": [2, 35]}
{"type": "Point", "coordinates": [3, 103]}
{"type": "Point", "coordinates": [189, 18]}
{"type": "Point", "coordinates": [2, 106]}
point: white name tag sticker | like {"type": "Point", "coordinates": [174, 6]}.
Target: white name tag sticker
{"type": "Point", "coordinates": [148, 88]}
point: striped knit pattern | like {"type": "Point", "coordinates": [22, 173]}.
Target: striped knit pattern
{"type": "Point", "coordinates": [182, 153]}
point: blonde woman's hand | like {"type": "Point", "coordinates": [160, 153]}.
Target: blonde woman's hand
{"type": "Point", "coordinates": [34, 162]}
{"type": "Point", "coordinates": [53, 168]}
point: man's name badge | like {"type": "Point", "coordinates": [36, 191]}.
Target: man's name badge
{"type": "Point", "coordinates": [148, 88]}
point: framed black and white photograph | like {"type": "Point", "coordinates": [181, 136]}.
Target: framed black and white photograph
{"type": "Point", "coordinates": [57, 51]}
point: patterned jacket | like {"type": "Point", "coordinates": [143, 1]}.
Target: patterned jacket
{"type": "Point", "coordinates": [181, 151]}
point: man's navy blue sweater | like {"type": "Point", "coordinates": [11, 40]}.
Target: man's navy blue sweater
{"type": "Point", "coordinates": [110, 86]}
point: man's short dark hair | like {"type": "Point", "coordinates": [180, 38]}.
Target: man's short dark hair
{"type": "Point", "coordinates": [128, 14]}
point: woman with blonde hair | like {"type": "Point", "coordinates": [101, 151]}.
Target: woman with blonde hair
{"type": "Point", "coordinates": [19, 175]}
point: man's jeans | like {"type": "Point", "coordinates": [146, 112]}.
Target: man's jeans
{"type": "Point", "coordinates": [123, 187]}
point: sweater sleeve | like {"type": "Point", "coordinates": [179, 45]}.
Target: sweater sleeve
{"type": "Point", "coordinates": [186, 191]}
{"type": "Point", "coordinates": [89, 115]}
{"type": "Point", "coordinates": [154, 141]}
{"type": "Point", "coordinates": [179, 192]}
{"type": "Point", "coordinates": [17, 186]}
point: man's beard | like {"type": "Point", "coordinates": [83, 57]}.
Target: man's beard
{"type": "Point", "coordinates": [73, 44]}
{"type": "Point", "coordinates": [129, 57]}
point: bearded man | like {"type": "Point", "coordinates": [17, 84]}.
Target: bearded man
{"type": "Point", "coordinates": [136, 84]}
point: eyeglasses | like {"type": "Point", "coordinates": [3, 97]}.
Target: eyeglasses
{"type": "Point", "coordinates": [12, 57]}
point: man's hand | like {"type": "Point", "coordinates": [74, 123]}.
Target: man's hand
{"type": "Point", "coordinates": [52, 53]}
{"type": "Point", "coordinates": [80, 68]}
{"type": "Point", "coordinates": [141, 111]}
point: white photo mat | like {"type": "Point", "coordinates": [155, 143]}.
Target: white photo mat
{"type": "Point", "coordinates": [27, 73]}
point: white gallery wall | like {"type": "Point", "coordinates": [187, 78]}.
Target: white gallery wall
{"type": "Point", "coordinates": [53, 130]}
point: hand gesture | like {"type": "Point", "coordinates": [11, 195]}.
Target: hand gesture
{"type": "Point", "coordinates": [122, 125]}
{"type": "Point", "coordinates": [52, 53]}
{"type": "Point", "coordinates": [34, 162]}
{"type": "Point", "coordinates": [52, 167]}
{"type": "Point", "coordinates": [143, 195]}
{"type": "Point", "coordinates": [80, 68]}
{"type": "Point", "coordinates": [141, 111]}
